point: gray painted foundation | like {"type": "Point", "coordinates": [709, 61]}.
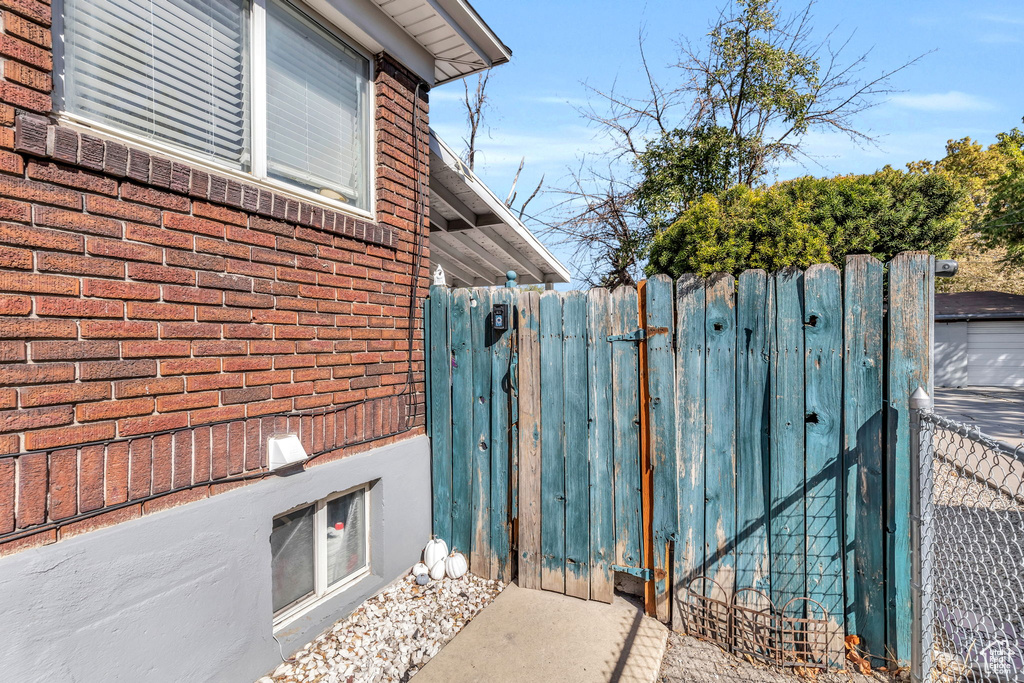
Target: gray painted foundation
{"type": "Point", "coordinates": [184, 595]}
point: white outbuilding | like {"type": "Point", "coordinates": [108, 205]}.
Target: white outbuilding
{"type": "Point", "coordinates": [979, 339]}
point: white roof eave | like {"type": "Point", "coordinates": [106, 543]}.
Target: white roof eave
{"type": "Point", "coordinates": [538, 256]}
{"type": "Point", "coordinates": [452, 32]}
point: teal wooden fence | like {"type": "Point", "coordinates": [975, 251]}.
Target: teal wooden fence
{"type": "Point", "coordinates": [750, 430]}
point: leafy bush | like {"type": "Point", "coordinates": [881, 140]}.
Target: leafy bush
{"type": "Point", "coordinates": [812, 220]}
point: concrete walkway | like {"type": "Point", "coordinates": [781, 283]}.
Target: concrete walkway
{"type": "Point", "coordinates": [996, 411]}
{"type": "Point", "coordinates": [531, 635]}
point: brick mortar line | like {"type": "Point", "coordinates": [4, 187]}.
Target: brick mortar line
{"type": "Point", "coordinates": [248, 476]}
{"type": "Point", "coordinates": [334, 408]}
{"type": "Point", "coordinates": [37, 136]}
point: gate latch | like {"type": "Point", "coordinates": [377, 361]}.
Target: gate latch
{"type": "Point", "coordinates": [636, 335]}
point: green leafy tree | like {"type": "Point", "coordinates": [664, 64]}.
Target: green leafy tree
{"type": "Point", "coordinates": [811, 220]}
{"type": "Point", "coordinates": [680, 167]}
{"type": "Point", "coordinates": [1004, 216]}
{"type": "Point", "coordinates": [745, 100]}
{"type": "Point", "coordinates": [985, 262]}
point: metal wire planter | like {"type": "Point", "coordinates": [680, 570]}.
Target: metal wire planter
{"type": "Point", "coordinates": [749, 624]}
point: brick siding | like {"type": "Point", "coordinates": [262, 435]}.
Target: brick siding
{"type": "Point", "coordinates": [159, 322]}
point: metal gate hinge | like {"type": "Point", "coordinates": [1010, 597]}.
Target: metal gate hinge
{"type": "Point", "coordinates": [636, 335]}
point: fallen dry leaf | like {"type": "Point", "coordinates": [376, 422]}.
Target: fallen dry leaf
{"type": "Point", "coordinates": [863, 665]}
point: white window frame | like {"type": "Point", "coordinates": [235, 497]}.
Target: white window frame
{"type": "Point", "coordinates": [322, 591]}
{"type": "Point", "coordinates": [257, 175]}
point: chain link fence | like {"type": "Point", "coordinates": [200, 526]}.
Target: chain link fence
{"type": "Point", "coordinates": [970, 565]}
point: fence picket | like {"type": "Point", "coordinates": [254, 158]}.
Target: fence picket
{"type": "Point", "coordinates": [690, 346]}
{"type": "Point", "coordinates": [662, 411]}
{"type": "Point", "coordinates": [529, 440]}
{"type": "Point", "coordinates": [787, 443]}
{"type": "Point", "coordinates": [862, 446]}
{"type": "Point", "coordinates": [501, 454]}
{"type": "Point", "coordinates": [577, 476]}
{"type": "Point", "coordinates": [552, 478]}
{"type": "Point", "coordinates": [462, 430]}
{"type": "Point", "coordinates": [441, 413]}
{"type": "Point", "coordinates": [599, 393]}
{"type": "Point", "coordinates": [753, 325]}
{"type": "Point", "coordinates": [911, 285]}
{"type": "Point", "coordinates": [626, 440]}
{"type": "Point", "coordinates": [480, 332]}
{"type": "Point", "coordinates": [823, 377]}
{"type": "Point", "coordinates": [720, 429]}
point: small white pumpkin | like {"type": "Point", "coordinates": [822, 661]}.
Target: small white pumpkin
{"type": "Point", "coordinates": [437, 571]}
{"type": "Point", "coordinates": [420, 569]}
{"type": "Point", "coordinates": [435, 552]}
{"type": "Point", "coordinates": [455, 566]}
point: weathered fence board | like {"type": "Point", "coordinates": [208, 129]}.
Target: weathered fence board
{"type": "Point", "coordinates": [720, 428]}
{"type": "Point", "coordinates": [462, 430]}
{"type": "Point", "coordinates": [862, 443]}
{"type": "Point", "coordinates": [752, 429]}
{"type": "Point", "coordinates": [690, 347]}
{"type": "Point", "coordinates": [823, 377]}
{"type": "Point", "coordinates": [501, 421]}
{"type": "Point", "coordinates": [909, 340]}
{"type": "Point", "coordinates": [599, 392]}
{"type": "Point", "coordinates": [480, 556]}
{"type": "Point", "coordinates": [626, 430]}
{"type": "Point", "coordinates": [441, 413]}
{"type": "Point", "coordinates": [552, 478]}
{"type": "Point", "coordinates": [577, 471]}
{"type": "Point", "coordinates": [659, 330]}
{"type": "Point", "coordinates": [529, 440]}
{"type": "Point", "coordinates": [787, 443]}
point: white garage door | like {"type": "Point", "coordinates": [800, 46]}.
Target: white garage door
{"type": "Point", "coordinates": [995, 355]}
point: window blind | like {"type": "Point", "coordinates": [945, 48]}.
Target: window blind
{"type": "Point", "coordinates": [170, 70]}
{"type": "Point", "coordinates": [315, 98]}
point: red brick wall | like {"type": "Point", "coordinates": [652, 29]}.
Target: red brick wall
{"type": "Point", "coordinates": [158, 323]}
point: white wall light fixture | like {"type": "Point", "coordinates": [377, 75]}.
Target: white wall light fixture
{"type": "Point", "coordinates": [284, 450]}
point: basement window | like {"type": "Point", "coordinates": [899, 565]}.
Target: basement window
{"type": "Point", "coordinates": [318, 550]}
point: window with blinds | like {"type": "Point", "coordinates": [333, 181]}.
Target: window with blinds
{"type": "Point", "coordinates": [316, 88]}
{"type": "Point", "coordinates": [178, 72]}
{"type": "Point", "coordinates": [170, 70]}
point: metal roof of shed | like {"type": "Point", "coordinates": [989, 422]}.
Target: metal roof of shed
{"type": "Point", "coordinates": [953, 306]}
{"type": "Point", "coordinates": [474, 236]}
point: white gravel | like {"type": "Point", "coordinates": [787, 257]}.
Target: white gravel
{"type": "Point", "coordinates": [392, 635]}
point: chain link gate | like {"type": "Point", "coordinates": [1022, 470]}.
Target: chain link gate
{"type": "Point", "coordinates": [969, 559]}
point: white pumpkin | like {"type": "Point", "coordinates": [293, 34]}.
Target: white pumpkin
{"type": "Point", "coordinates": [435, 552]}
{"type": "Point", "coordinates": [455, 566]}
{"type": "Point", "coordinates": [420, 569]}
{"type": "Point", "coordinates": [437, 571]}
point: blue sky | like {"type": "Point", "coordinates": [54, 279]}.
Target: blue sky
{"type": "Point", "coordinates": [972, 84]}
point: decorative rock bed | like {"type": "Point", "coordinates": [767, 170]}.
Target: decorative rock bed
{"type": "Point", "coordinates": [392, 635]}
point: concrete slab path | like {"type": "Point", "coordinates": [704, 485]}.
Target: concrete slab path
{"type": "Point", "coordinates": [996, 411]}
{"type": "Point", "coordinates": [532, 635]}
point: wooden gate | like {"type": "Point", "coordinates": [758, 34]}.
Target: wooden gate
{"type": "Point", "coordinates": [751, 430]}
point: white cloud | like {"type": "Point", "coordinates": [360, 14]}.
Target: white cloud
{"type": "Point", "coordinates": [951, 101]}
{"type": "Point", "coordinates": [1002, 19]}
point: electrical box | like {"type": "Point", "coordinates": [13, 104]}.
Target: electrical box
{"type": "Point", "coordinates": [499, 316]}
{"type": "Point", "coordinates": [284, 450]}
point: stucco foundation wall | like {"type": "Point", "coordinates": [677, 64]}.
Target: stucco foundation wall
{"type": "Point", "coordinates": [184, 595]}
